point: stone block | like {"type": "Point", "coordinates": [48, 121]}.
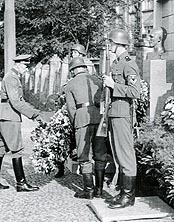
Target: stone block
{"type": "Point", "coordinates": [160, 79]}
{"type": "Point", "coordinates": [144, 208]}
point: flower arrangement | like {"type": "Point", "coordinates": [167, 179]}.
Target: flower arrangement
{"type": "Point", "coordinates": [143, 103]}
{"type": "Point", "coordinates": [167, 114]}
{"type": "Point", "coordinates": [52, 140]}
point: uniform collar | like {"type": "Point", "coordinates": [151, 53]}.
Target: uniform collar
{"type": "Point", "coordinates": [81, 73]}
{"type": "Point", "coordinates": [123, 55]}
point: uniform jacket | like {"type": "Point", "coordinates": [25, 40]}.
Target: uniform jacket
{"type": "Point", "coordinates": [81, 89]}
{"type": "Point", "coordinates": [125, 73]}
{"type": "Point", "coordinates": [12, 93]}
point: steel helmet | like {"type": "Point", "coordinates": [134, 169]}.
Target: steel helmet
{"type": "Point", "coordinates": [119, 36]}
{"type": "Point", "coordinates": [80, 48]}
{"type": "Point", "coordinates": [77, 62]}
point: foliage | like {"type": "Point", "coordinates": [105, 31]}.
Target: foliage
{"type": "Point", "coordinates": [168, 114]}
{"type": "Point", "coordinates": [52, 141]}
{"type": "Point", "coordinates": [155, 156]}
{"type": "Point", "coordinates": [48, 27]}
{"type": "Point", "coordinates": [143, 103]}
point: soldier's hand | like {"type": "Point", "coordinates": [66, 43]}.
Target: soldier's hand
{"type": "Point", "coordinates": [108, 81]}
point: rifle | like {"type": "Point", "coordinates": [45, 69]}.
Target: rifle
{"type": "Point", "coordinates": [103, 125]}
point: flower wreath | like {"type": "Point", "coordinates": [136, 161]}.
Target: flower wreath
{"type": "Point", "coordinates": [52, 140]}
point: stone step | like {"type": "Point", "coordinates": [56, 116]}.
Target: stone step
{"type": "Point", "coordinates": [145, 209]}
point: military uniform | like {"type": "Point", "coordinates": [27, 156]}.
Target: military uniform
{"type": "Point", "coordinates": [11, 107]}
{"type": "Point", "coordinates": [127, 87]}
{"type": "Point", "coordinates": [83, 97]}
{"type": "Point", "coordinates": [83, 94]}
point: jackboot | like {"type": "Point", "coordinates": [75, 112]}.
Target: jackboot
{"type": "Point", "coordinates": [99, 178]}
{"type": "Point", "coordinates": [118, 188]}
{"type": "Point", "coordinates": [128, 196]}
{"type": "Point", "coordinates": [61, 171]}
{"type": "Point", "coordinates": [88, 191]}
{"type": "Point", "coordinates": [22, 185]}
{"type": "Point", "coordinates": [2, 187]}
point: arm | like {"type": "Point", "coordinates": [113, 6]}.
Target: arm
{"type": "Point", "coordinates": [132, 87]}
{"type": "Point", "coordinates": [70, 102]}
{"type": "Point", "coordinates": [15, 95]}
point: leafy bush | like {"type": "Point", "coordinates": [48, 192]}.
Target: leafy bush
{"type": "Point", "coordinates": [155, 156]}
{"type": "Point", "coordinates": [143, 103]}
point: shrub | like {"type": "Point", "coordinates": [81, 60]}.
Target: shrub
{"type": "Point", "coordinates": [155, 156]}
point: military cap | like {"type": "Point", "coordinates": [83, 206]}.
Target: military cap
{"type": "Point", "coordinates": [22, 58]}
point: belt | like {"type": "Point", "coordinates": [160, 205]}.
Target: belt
{"type": "Point", "coordinates": [4, 100]}
{"type": "Point", "coordinates": [81, 105]}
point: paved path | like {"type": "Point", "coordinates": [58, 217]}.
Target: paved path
{"type": "Point", "coordinates": [54, 202]}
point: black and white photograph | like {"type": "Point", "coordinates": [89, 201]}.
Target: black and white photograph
{"type": "Point", "coordinates": [86, 111]}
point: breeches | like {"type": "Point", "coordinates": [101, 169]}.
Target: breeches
{"type": "Point", "coordinates": [121, 139]}
{"type": "Point", "coordinates": [89, 148]}
{"type": "Point", "coordinates": [11, 138]}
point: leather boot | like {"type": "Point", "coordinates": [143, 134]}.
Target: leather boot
{"type": "Point", "coordinates": [128, 196]}
{"type": "Point", "coordinates": [88, 191]}
{"type": "Point", "coordinates": [118, 189]}
{"type": "Point", "coordinates": [22, 185]}
{"type": "Point", "coordinates": [61, 171]}
{"type": "Point", "coordinates": [99, 178]}
{"type": "Point", "coordinates": [2, 187]}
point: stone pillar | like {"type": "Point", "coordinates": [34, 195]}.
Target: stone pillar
{"type": "Point", "coordinates": [44, 85]}
{"type": "Point", "coordinates": [64, 71]}
{"type": "Point", "coordinates": [31, 79]}
{"type": "Point", "coordinates": [44, 77]}
{"type": "Point", "coordinates": [37, 78]}
{"type": "Point", "coordinates": [55, 63]}
{"type": "Point", "coordinates": [9, 35]}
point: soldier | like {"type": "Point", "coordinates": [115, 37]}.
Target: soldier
{"type": "Point", "coordinates": [125, 86]}
{"type": "Point", "coordinates": [83, 98]}
{"type": "Point", "coordinates": [78, 50]}
{"type": "Point", "coordinates": [11, 107]}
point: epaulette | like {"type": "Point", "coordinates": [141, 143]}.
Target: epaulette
{"type": "Point", "coordinates": [128, 58]}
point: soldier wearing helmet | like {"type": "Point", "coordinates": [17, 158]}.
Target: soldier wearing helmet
{"type": "Point", "coordinates": [78, 50]}
{"type": "Point", "coordinates": [83, 94]}
{"type": "Point", "coordinates": [125, 87]}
